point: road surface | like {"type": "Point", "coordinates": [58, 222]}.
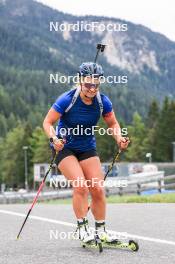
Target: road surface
{"type": "Point", "coordinates": [46, 236]}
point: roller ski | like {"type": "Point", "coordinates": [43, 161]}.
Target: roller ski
{"type": "Point", "coordinates": [103, 239]}
{"type": "Point", "coordinates": [118, 244]}
{"type": "Point", "coordinates": [113, 244]}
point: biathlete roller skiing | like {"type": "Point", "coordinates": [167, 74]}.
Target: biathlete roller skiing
{"type": "Point", "coordinates": [76, 155]}
{"type": "Point", "coordinates": [77, 159]}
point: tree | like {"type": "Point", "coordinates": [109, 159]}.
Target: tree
{"type": "Point", "coordinates": [151, 123]}
{"type": "Point", "coordinates": [153, 114]}
{"type": "Point", "coordinates": [1, 159]}
{"type": "Point", "coordinates": [105, 143]}
{"type": "Point", "coordinates": [165, 131]}
{"type": "Point", "coordinates": [11, 121]}
{"type": "Point", "coordinates": [12, 154]}
{"type": "Point", "coordinates": [41, 151]}
{"type": "Point", "coordinates": [3, 125]}
{"type": "Point", "coordinates": [137, 134]}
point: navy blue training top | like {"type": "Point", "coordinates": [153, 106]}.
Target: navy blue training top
{"type": "Point", "coordinates": [82, 117]}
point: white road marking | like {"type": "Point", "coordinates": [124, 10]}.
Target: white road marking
{"type": "Point", "coordinates": [150, 239]}
{"type": "Point", "coordinates": [38, 218]}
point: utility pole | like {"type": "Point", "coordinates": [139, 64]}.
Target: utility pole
{"type": "Point", "coordinates": [173, 151]}
{"type": "Point", "coordinates": [25, 148]}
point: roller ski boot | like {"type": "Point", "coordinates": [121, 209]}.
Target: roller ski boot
{"type": "Point", "coordinates": [103, 239]}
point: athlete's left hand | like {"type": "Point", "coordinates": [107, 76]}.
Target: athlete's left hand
{"type": "Point", "coordinates": [123, 142]}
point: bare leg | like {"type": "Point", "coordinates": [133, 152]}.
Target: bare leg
{"type": "Point", "coordinates": [92, 171]}
{"type": "Point", "coordinates": [71, 169]}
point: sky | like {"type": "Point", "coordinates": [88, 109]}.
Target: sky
{"type": "Point", "coordinates": [158, 15]}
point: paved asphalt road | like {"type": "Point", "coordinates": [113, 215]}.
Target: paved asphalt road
{"type": "Point", "coordinates": [154, 224]}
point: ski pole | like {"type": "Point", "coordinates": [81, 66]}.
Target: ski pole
{"type": "Point", "coordinates": [116, 157]}
{"type": "Point", "coordinates": [38, 192]}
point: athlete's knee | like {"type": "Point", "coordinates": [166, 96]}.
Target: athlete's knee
{"type": "Point", "coordinates": [97, 192]}
{"type": "Point", "coordinates": [83, 191]}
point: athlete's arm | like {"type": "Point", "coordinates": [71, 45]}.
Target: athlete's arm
{"type": "Point", "coordinates": [51, 118]}
{"type": "Point", "coordinates": [112, 123]}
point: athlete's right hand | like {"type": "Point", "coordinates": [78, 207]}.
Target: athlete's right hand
{"type": "Point", "coordinates": [58, 144]}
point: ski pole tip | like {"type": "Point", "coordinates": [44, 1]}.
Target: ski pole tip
{"type": "Point", "coordinates": [17, 238]}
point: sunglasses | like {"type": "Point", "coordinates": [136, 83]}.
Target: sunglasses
{"type": "Point", "coordinates": [91, 85]}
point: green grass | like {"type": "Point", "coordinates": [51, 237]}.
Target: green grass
{"type": "Point", "coordinates": [156, 198]}
{"type": "Point", "coordinates": [58, 201]}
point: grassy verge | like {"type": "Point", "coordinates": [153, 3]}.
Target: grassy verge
{"type": "Point", "coordinates": [156, 198]}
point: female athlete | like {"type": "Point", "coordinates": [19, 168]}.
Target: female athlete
{"type": "Point", "coordinates": [77, 158]}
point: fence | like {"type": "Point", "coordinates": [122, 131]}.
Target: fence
{"type": "Point", "coordinates": [134, 186]}
{"type": "Point", "coordinates": [137, 186]}
{"type": "Point", "coordinates": [10, 198]}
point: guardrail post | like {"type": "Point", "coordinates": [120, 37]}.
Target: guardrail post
{"type": "Point", "coordinates": [107, 192]}
{"type": "Point", "coordinates": [160, 185]}
{"type": "Point", "coordinates": [120, 191]}
{"type": "Point", "coordinates": [138, 188]}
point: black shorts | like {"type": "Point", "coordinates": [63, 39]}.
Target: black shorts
{"type": "Point", "coordinates": [79, 155]}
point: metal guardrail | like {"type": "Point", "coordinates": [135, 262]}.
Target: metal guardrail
{"type": "Point", "coordinates": [137, 186]}
{"type": "Point", "coordinates": [15, 197]}
{"type": "Point", "coordinates": [134, 186]}
{"type": "Point", "coordinates": [167, 184]}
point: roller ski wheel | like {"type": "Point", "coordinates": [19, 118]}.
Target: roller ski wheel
{"type": "Point", "coordinates": [99, 244]}
{"type": "Point", "coordinates": [134, 246]}
{"type": "Point", "coordinates": [117, 244]}
{"type": "Point", "coordinates": [96, 243]}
